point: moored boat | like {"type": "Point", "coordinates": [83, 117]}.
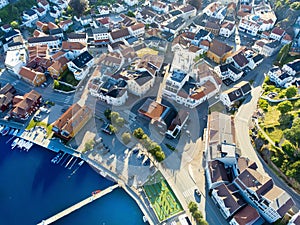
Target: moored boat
{"type": "Point", "coordinates": [5, 131]}
{"type": "Point", "coordinates": [14, 143]}
{"type": "Point", "coordinates": [96, 192]}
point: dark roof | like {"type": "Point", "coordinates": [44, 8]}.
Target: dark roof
{"type": "Point", "coordinates": [143, 77]}
{"type": "Point", "coordinates": [42, 39]}
{"type": "Point", "coordinates": [175, 12]}
{"type": "Point", "coordinates": [82, 59]}
{"type": "Point", "coordinates": [219, 48]}
{"type": "Point", "coordinates": [246, 88]}
{"type": "Point", "coordinates": [30, 12]}
{"type": "Point", "coordinates": [100, 30]}
{"type": "Point", "coordinates": [212, 25]}
{"type": "Point", "coordinates": [273, 44]}
{"type": "Point", "coordinates": [231, 67]}
{"type": "Point", "coordinates": [295, 65]}
{"type": "Point", "coordinates": [7, 88]}
{"type": "Point", "coordinates": [175, 24]}
{"type": "Point", "coordinates": [240, 59]}
{"type": "Point", "coordinates": [12, 33]}
{"type": "Point", "coordinates": [257, 58]}
{"type": "Point", "coordinates": [120, 33]}
{"type": "Point", "coordinates": [235, 94]}
{"type": "Point", "coordinates": [76, 35]}
{"type": "Point", "coordinates": [56, 31]}
{"type": "Point", "coordinates": [283, 76]}
{"type": "Point", "coordinates": [201, 34]}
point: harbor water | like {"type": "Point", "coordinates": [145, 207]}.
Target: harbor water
{"type": "Point", "coordinates": [32, 189]}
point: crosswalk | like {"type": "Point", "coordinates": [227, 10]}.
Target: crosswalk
{"type": "Point", "coordinates": [189, 192]}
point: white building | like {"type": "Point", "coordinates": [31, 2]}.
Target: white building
{"type": "Point", "coordinates": [137, 30]}
{"type": "Point", "coordinates": [15, 60]}
{"type": "Point", "coordinates": [292, 68]}
{"type": "Point", "coordinates": [51, 41]}
{"type": "Point", "coordinates": [77, 37]}
{"type": "Point", "coordinates": [279, 77]}
{"type": "Point", "coordinates": [227, 29]}
{"type": "Point", "coordinates": [131, 2]}
{"type": "Point", "coordinates": [228, 71]}
{"type": "Point", "coordinates": [140, 82]}
{"type": "Point", "coordinates": [109, 90]}
{"type": "Point", "coordinates": [188, 11]}
{"type": "Point", "coordinates": [295, 220]}
{"type": "Point", "coordinates": [160, 7]}
{"type": "Point", "coordinates": [29, 18]}
{"type": "Point", "coordinates": [44, 4]}
{"type": "Point", "coordinates": [3, 3]}
{"type": "Point", "coordinates": [277, 33]}
{"type": "Point", "coordinates": [80, 66]}
{"type": "Point", "coordinates": [239, 91]}
{"type": "Point", "coordinates": [260, 191]}
{"type": "Point", "coordinates": [101, 35]}
{"type": "Point", "coordinates": [104, 10]}
{"type": "Point", "coordinates": [85, 20]}
{"type": "Point", "coordinates": [119, 35]}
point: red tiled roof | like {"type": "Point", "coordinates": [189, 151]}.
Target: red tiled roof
{"type": "Point", "coordinates": [278, 31]}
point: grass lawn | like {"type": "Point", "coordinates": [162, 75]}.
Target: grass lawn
{"type": "Point", "coordinates": [271, 117]}
{"type": "Point", "coordinates": [162, 198]}
{"type": "Point", "coordinates": [218, 107]}
{"type": "Point", "coordinates": [68, 77]}
{"type": "Point", "coordinates": [276, 134]}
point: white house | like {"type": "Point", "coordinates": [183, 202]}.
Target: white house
{"type": "Point", "coordinates": [188, 11]}
{"type": "Point", "coordinates": [270, 48]}
{"type": "Point", "coordinates": [73, 49]}
{"type": "Point", "coordinates": [137, 30]}
{"type": "Point", "coordinates": [100, 35]}
{"type": "Point", "coordinates": [228, 199]}
{"type": "Point", "coordinates": [175, 26]}
{"type": "Point", "coordinates": [227, 29]}
{"type": "Point", "coordinates": [260, 191]}
{"type": "Point", "coordinates": [5, 28]}
{"type": "Point", "coordinates": [51, 41]}
{"type": "Point", "coordinates": [279, 77]}
{"type": "Point", "coordinates": [15, 60]}
{"type": "Point", "coordinates": [239, 59]}
{"type": "Point", "coordinates": [103, 10]}
{"type": "Point", "coordinates": [118, 8]}
{"type": "Point", "coordinates": [77, 37]}
{"type": "Point", "coordinates": [229, 71]}
{"type": "Point", "coordinates": [160, 7]}
{"type": "Point", "coordinates": [3, 3]}
{"type": "Point", "coordinates": [44, 3]}
{"type": "Point", "coordinates": [239, 91]}
{"type": "Point", "coordinates": [292, 68]}
{"type": "Point", "coordinates": [54, 12]}
{"type": "Point", "coordinates": [140, 82]}
{"type": "Point", "coordinates": [29, 17]}
{"type": "Point", "coordinates": [146, 16]}
{"type": "Point", "coordinates": [80, 66]}
{"type": "Point", "coordinates": [41, 11]}
{"type": "Point", "coordinates": [131, 2]}
{"type": "Point", "coordinates": [119, 35]}
{"type": "Point", "coordinates": [109, 90]}
{"type": "Point", "coordinates": [295, 220]}
{"type": "Point", "coordinates": [248, 26]}
{"type": "Point", "coordinates": [177, 124]}
{"type": "Point", "coordinates": [277, 33]}
{"type": "Point", "coordinates": [85, 20]}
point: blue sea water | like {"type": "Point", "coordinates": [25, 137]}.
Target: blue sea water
{"type": "Point", "coordinates": [32, 189]}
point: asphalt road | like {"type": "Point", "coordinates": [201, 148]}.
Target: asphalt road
{"type": "Point", "coordinates": [242, 119]}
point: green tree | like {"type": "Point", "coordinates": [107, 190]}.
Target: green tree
{"type": "Point", "coordinates": [160, 156]}
{"type": "Point", "coordinates": [288, 148]}
{"type": "Point", "coordinates": [113, 129]}
{"type": "Point", "coordinates": [285, 120]}
{"type": "Point", "coordinates": [284, 106]}
{"type": "Point", "coordinates": [202, 222]}
{"type": "Point", "coordinates": [138, 133]}
{"type": "Point", "coordinates": [294, 170]}
{"type": "Point", "coordinates": [263, 104]}
{"type": "Point", "coordinates": [197, 215]}
{"type": "Point", "coordinates": [114, 116]}
{"type": "Point", "coordinates": [284, 51]}
{"type": "Point", "coordinates": [14, 24]}
{"type": "Point", "coordinates": [293, 134]}
{"type": "Point", "coordinates": [192, 207]}
{"type": "Point", "coordinates": [291, 92]}
{"type": "Point", "coordinates": [126, 138]}
{"type": "Point", "coordinates": [295, 5]}
{"type": "Point", "coordinates": [107, 113]}
{"type": "Point", "coordinates": [297, 103]}
{"type": "Point", "coordinates": [79, 6]}
{"type": "Point", "coordinates": [130, 14]}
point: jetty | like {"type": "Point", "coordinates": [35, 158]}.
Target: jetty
{"type": "Point", "coordinates": [78, 205]}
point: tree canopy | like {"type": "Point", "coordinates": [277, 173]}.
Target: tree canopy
{"type": "Point", "coordinates": [291, 92]}
{"type": "Point", "coordinates": [79, 6]}
{"type": "Point", "coordinates": [284, 106]}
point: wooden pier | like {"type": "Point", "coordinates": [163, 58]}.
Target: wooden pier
{"type": "Point", "coordinates": [78, 205]}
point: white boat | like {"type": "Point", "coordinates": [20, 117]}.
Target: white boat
{"type": "Point", "coordinates": [11, 131]}
{"type": "Point", "coordinates": [145, 219]}
{"type": "Point", "coordinates": [80, 163]}
{"type": "Point", "coordinates": [16, 132]}
{"type": "Point", "coordinates": [1, 128]}
{"type": "Point", "coordinates": [21, 143]}
{"type": "Point", "coordinates": [14, 143]}
{"type": "Point", "coordinates": [28, 145]}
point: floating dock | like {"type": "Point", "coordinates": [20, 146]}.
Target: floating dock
{"type": "Point", "coordinates": [78, 205]}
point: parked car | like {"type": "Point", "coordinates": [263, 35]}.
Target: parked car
{"type": "Point", "coordinates": [197, 192]}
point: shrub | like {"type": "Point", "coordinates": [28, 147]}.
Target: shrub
{"type": "Point", "coordinates": [288, 148]}
{"type": "Point", "coordinates": [284, 106]}
{"type": "Point", "coordinates": [263, 104]}
{"type": "Point", "coordinates": [291, 92]}
{"type": "Point", "coordinates": [138, 133]}
{"type": "Point", "coordinates": [193, 207]}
